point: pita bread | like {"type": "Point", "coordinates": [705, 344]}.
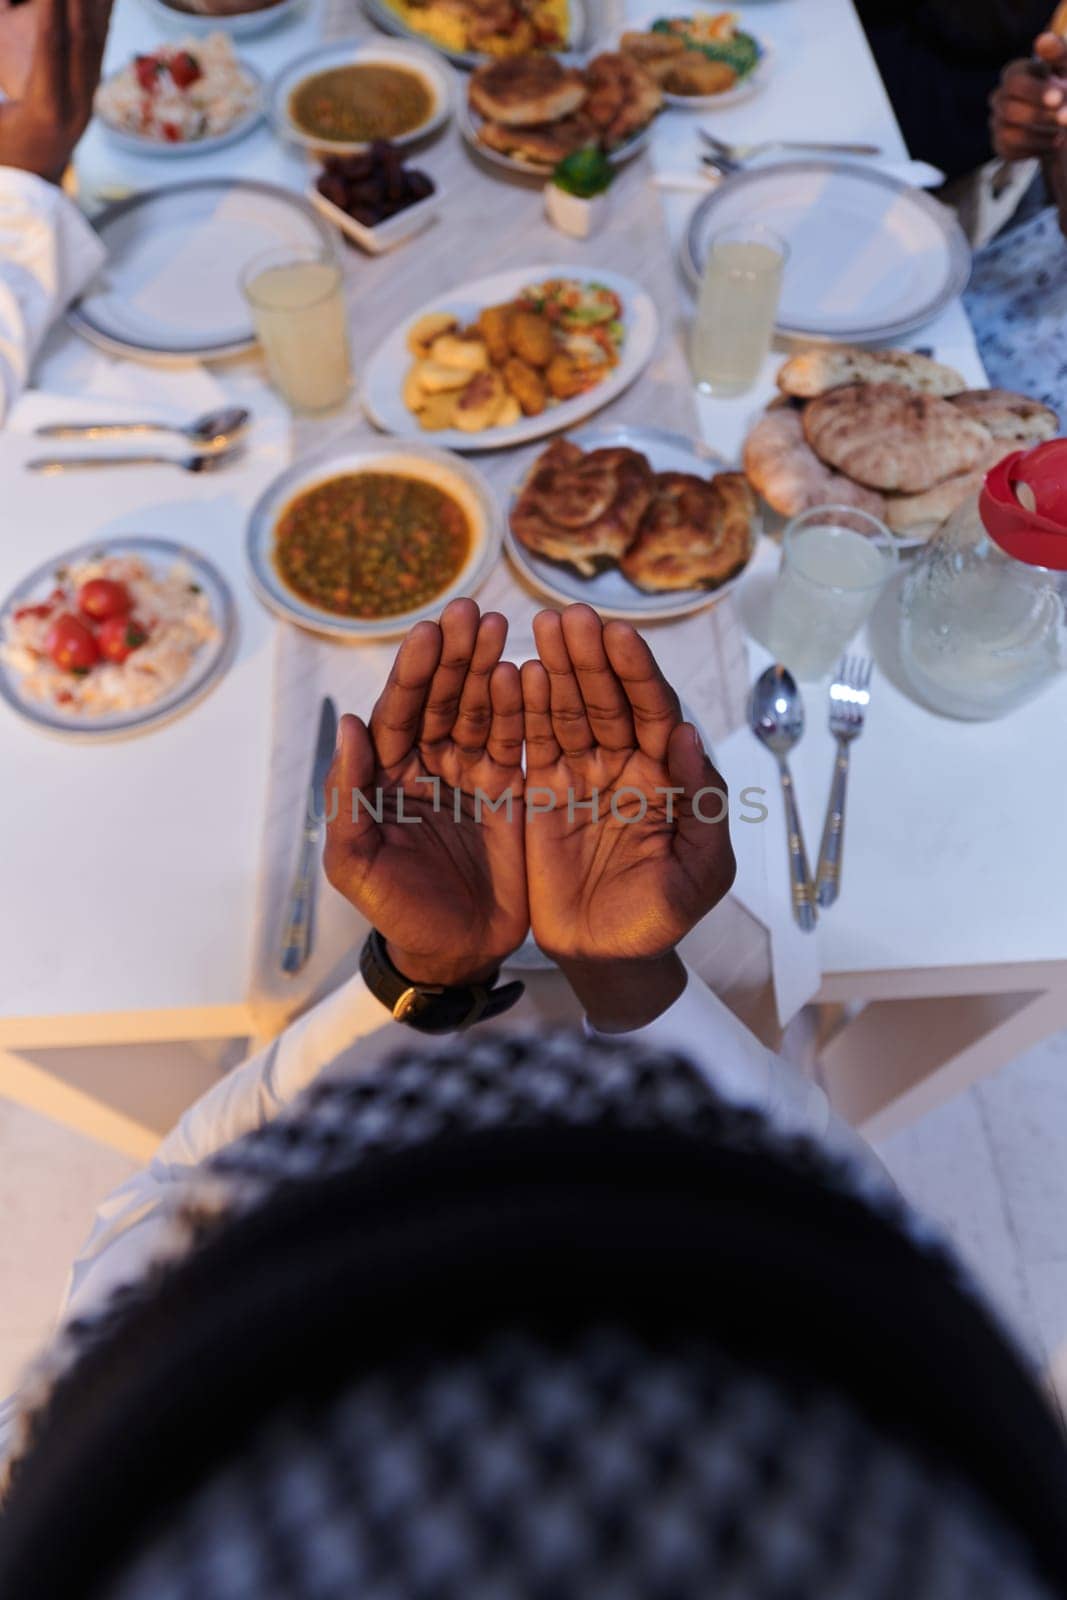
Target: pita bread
{"type": "Point", "coordinates": [1008, 415]}
{"type": "Point", "coordinates": [520, 91]}
{"type": "Point", "coordinates": [887, 437]}
{"type": "Point", "coordinates": [920, 515]}
{"type": "Point", "coordinates": [785, 470]}
{"type": "Point", "coordinates": [816, 372]}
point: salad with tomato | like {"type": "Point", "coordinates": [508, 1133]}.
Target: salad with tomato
{"type": "Point", "coordinates": [195, 89]}
{"type": "Point", "coordinates": [111, 635]}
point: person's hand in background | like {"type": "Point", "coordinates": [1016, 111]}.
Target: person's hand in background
{"type": "Point", "coordinates": [446, 888]}
{"type": "Point", "coordinates": [614, 885]}
{"type": "Point", "coordinates": [1029, 107]}
{"type": "Point", "coordinates": [51, 105]}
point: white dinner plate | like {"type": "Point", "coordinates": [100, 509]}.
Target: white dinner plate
{"type": "Point", "coordinates": [457, 477]}
{"type": "Point", "coordinates": [749, 85]}
{"type": "Point", "coordinates": [240, 24]}
{"type": "Point", "coordinates": [395, 53]}
{"type": "Point", "coordinates": [382, 14]}
{"type": "Point", "coordinates": [470, 122]}
{"type": "Point", "coordinates": [170, 290]}
{"type": "Point", "coordinates": [384, 374]}
{"type": "Point", "coordinates": [208, 666]}
{"type": "Point", "coordinates": [609, 592]}
{"type": "Point", "coordinates": [870, 259]}
{"type": "Point", "coordinates": [138, 144]}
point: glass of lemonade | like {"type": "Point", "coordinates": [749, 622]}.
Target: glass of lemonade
{"type": "Point", "coordinates": [736, 308]}
{"type": "Point", "coordinates": [836, 560]}
{"type": "Point", "coordinates": [298, 307]}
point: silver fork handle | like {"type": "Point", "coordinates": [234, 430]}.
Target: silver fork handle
{"type": "Point", "coordinates": [99, 430]}
{"type": "Point", "coordinates": [828, 875]}
{"type": "Point", "coordinates": [825, 148]}
{"type": "Point", "coordinates": [48, 464]}
{"type": "Point", "coordinates": [296, 941]}
{"type": "Point", "coordinates": [799, 873]}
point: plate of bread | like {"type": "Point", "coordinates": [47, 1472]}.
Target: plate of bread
{"type": "Point", "coordinates": [511, 358]}
{"type": "Point", "coordinates": [526, 113]}
{"type": "Point", "coordinates": [892, 431]}
{"type": "Point", "coordinates": [637, 522]}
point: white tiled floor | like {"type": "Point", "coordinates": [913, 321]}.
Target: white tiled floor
{"type": "Point", "coordinates": [991, 1167]}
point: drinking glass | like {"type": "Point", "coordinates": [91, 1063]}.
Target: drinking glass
{"type": "Point", "coordinates": [736, 308]}
{"type": "Point", "coordinates": [298, 308]}
{"type": "Point", "coordinates": [836, 560]}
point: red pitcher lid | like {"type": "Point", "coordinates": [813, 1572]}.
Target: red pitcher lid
{"type": "Point", "coordinates": [1033, 527]}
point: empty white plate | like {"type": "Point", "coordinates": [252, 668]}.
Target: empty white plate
{"type": "Point", "coordinates": [869, 257]}
{"type": "Point", "coordinates": [170, 291]}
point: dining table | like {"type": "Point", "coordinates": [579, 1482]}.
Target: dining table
{"type": "Point", "coordinates": [145, 880]}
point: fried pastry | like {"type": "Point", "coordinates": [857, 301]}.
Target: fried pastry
{"type": "Point", "coordinates": [654, 51]}
{"type": "Point", "coordinates": [545, 143]}
{"type": "Point", "coordinates": [527, 385]}
{"type": "Point", "coordinates": [531, 339]}
{"type": "Point", "coordinates": [784, 469]}
{"type": "Point", "coordinates": [693, 74]}
{"type": "Point", "coordinates": [694, 535]}
{"type": "Point", "coordinates": [493, 327]}
{"type": "Point", "coordinates": [526, 89]}
{"type": "Point", "coordinates": [622, 98]}
{"type": "Point", "coordinates": [582, 509]}
{"type": "Point", "coordinates": [891, 438]}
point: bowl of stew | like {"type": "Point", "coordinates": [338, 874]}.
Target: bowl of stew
{"type": "Point", "coordinates": [363, 542]}
{"type": "Point", "coordinates": [341, 98]}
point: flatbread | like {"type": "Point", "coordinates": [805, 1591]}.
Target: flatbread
{"type": "Point", "coordinates": [522, 90]}
{"type": "Point", "coordinates": [784, 469]}
{"type": "Point", "coordinates": [891, 438]}
{"type": "Point", "coordinates": [816, 372]}
{"type": "Point", "coordinates": [919, 515]}
{"type": "Point", "coordinates": [1008, 415]}
{"type": "Point", "coordinates": [582, 509]}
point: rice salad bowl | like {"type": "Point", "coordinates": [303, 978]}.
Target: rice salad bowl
{"type": "Point", "coordinates": [113, 636]}
{"type": "Point", "coordinates": [180, 93]}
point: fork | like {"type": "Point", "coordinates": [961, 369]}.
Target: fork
{"type": "Point", "coordinates": [849, 699]}
{"type": "Point", "coordinates": [744, 152]}
{"type": "Point", "coordinates": [54, 464]}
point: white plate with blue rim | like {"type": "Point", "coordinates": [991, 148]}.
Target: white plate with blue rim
{"type": "Point", "coordinates": [456, 477]}
{"type": "Point", "coordinates": [141, 145]}
{"type": "Point", "coordinates": [424, 64]}
{"type": "Point", "coordinates": [256, 19]}
{"type": "Point", "coordinates": [170, 290]}
{"type": "Point", "coordinates": [207, 667]}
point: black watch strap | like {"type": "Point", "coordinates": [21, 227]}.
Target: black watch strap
{"type": "Point", "coordinates": [431, 1008]}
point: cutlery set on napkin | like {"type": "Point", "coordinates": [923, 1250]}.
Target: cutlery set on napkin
{"type": "Point", "coordinates": [214, 440]}
{"type": "Point", "coordinates": [776, 716]}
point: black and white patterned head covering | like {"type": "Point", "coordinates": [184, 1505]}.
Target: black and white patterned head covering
{"type": "Point", "coordinates": [537, 1318]}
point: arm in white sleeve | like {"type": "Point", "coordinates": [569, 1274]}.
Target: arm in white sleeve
{"type": "Point", "coordinates": [129, 1224]}
{"type": "Point", "coordinates": [48, 253]}
{"type": "Point", "coordinates": [746, 1073]}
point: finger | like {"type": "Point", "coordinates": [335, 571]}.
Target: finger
{"type": "Point", "coordinates": [350, 827]}
{"type": "Point", "coordinates": [1029, 83]}
{"type": "Point", "coordinates": [459, 631]}
{"type": "Point", "coordinates": [47, 85]}
{"type": "Point", "coordinates": [475, 715]}
{"type": "Point", "coordinates": [1011, 111]}
{"type": "Point", "coordinates": [506, 729]}
{"type": "Point", "coordinates": [570, 725]}
{"type": "Point", "coordinates": [701, 810]}
{"type": "Point", "coordinates": [541, 747]}
{"type": "Point", "coordinates": [604, 698]}
{"type": "Point", "coordinates": [1052, 48]}
{"type": "Point", "coordinates": [395, 720]}
{"type": "Point", "coordinates": [653, 703]}
{"type": "Point", "coordinates": [1013, 143]}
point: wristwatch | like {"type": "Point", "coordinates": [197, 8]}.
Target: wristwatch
{"type": "Point", "coordinates": [431, 1007]}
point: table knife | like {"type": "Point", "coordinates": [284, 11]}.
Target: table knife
{"type": "Point", "coordinates": [299, 926]}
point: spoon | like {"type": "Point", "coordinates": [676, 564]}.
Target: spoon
{"type": "Point", "coordinates": [215, 430]}
{"type": "Point", "coordinates": [776, 717]}
{"type": "Point", "coordinates": [208, 463]}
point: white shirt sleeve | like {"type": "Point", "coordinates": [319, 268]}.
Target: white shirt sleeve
{"type": "Point", "coordinates": [48, 253]}
{"type": "Point", "coordinates": [746, 1073]}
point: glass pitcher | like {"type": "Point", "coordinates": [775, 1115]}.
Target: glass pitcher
{"type": "Point", "coordinates": [982, 611]}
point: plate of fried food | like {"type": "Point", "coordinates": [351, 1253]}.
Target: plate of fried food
{"type": "Point", "coordinates": [526, 113]}
{"type": "Point", "coordinates": [511, 358]}
{"type": "Point", "coordinates": [469, 32]}
{"type": "Point", "coordinates": [637, 522]}
{"type": "Point", "coordinates": [700, 62]}
{"type": "Point", "coordinates": [891, 431]}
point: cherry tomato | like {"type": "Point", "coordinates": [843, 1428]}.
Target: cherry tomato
{"type": "Point", "coordinates": [184, 69]}
{"type": "Point", "coordinates": [72, 645]}
{"type": "Point", "coordinates": [118, 637]}
{"type": "Point", "coordinates": [147, 70]}
{"type": "Point", "coordinates": [103, 597]}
